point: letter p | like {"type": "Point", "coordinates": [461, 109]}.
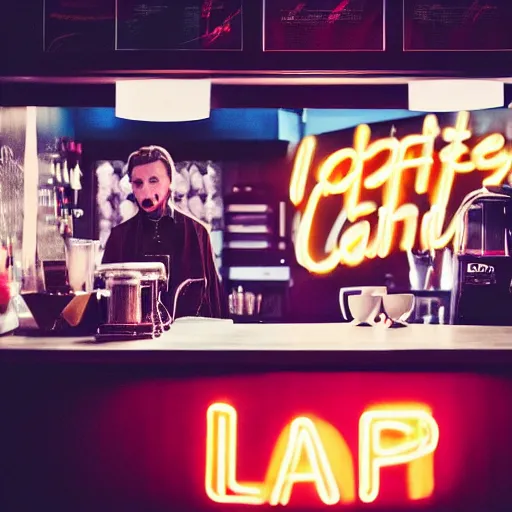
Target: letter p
{"type": "Point", "coordinates": [391, 437]}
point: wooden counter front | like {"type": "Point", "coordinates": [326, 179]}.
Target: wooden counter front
{"type": "Point", "coordinates": [124, 427]}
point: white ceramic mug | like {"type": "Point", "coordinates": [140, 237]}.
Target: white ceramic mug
{"type": "Point", "coordinates": [398, 307]}
{"type": "Point", "coordinates": [345, 293]}
{"type": "Point", "coordinates": [365, 308]}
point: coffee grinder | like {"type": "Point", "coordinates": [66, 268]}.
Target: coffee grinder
{"type": "Point", "coordinates": [481, 294]}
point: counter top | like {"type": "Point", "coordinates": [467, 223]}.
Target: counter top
{"type": "Point", "coordinates": [214, 343]}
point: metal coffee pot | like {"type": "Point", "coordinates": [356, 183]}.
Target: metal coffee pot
{"type": "Point", "coordinates": [134, 308]}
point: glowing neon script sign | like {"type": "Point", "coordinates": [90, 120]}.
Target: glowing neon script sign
{"type": "Point", "coordinates": [312, 452]}
{"type": "Point", "coordinates": [411, 152]}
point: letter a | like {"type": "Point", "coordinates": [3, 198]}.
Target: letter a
{"type": "Point", "coordinates": [304, 460]}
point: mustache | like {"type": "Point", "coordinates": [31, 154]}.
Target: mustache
{"type": "Point", "coordinates": [148, 202]}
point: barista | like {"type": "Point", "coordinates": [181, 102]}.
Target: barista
{"type": "Point", "coordinates": [159, 232]}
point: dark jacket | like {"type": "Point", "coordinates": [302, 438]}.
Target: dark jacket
{"type": "Point", "coordinates": [187, 242]}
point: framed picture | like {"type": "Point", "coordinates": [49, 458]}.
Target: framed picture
{"type": "Point", "coordinates": [179, 25]}
{"type": "Point", "coordinates": [324, 25]}
{"type": "Point", "coordinates": [79, 26]}
{"type": "Point", "coordinates": [457, 25]}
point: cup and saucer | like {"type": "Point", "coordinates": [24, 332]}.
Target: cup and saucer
{"type": "Point", "coordinates": [367, 306]}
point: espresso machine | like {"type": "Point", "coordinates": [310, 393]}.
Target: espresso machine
{"type": "Point", "coordinates": [132, 293]}
{"type": "Point", "coordinates": [482, 293]}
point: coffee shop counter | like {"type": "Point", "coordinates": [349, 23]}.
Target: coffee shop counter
{"type": "Point", "coordinates": [144, 426]}
{"type": "Point", "coordinates": [204, 343]}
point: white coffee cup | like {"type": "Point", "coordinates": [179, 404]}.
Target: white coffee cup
{"type": "Point", "coordinates": [398, 307]}
{"type": "Point", "coordinates": [345, 293]}
{"type": "Point", "coordinates": [365, 308]}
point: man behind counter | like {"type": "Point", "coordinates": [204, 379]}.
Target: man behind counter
{"type": "Point", "coordinates": [159, 230]}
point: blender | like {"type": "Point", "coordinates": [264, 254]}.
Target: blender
{"type": "Point", "coordinates": [481, 294]}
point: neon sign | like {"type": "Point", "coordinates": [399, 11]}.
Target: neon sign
{"type": "Point", "coordinates": [312, 452]}
{"type": "Point", "coordinates": [412, 152]}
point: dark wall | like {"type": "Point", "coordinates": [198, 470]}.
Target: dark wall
{"type": "Point", "coordinates": [22, 36]}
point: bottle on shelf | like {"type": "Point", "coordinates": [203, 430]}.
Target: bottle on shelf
{"type": "Point", "coordinates": [65, 171]}
{"type": "Point", "coordinates": [58, 173]}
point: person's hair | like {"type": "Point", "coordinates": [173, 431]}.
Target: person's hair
{"type": "Point", "coordinates": [148, 155]}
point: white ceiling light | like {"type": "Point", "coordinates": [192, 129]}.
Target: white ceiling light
{"type": "Point", "coordinates": [455, 95]}
{"type": "Point", "coordinates": [163, 100]}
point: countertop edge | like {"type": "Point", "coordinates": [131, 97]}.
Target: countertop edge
{"type": "Point", "coordinates": [208, 361]}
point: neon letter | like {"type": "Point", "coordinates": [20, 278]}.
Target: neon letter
{"type": "Point", "coordinates": [300, 457]}
{"type": "Point", "coordinates": [342, 174]}
{"type": "Point", "coordinates": [391, 211]}
{"type": "Point", "coordinates": [330, 183]}
{"type": "Point", "coordinates": [301, 169]}
{"type": "Point", "coordinates": [484, 161]}
{"type": "Point", "coordinates": [419, 438]}
{"type": "Point", "coordinates": [452, 163]}
{"type": "Point", "coordinates": [221, 452]}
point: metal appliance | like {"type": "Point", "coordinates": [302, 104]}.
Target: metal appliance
{"type": "Point", "coordinates": [257, 254]}
{"type": "Point", "coordinates": [134, 309]}
{"type": "Point", "coordinates": [259, 293]}
{"type": "Point", "coordinates": [482, 259]}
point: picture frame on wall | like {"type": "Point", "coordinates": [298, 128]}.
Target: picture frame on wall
{"type": "Point", "coordinates": [457, 25]}
{"type": "Point", "coordinates": [79, 26]}
{"type": "Point", "coordinates": [324, 25]}
{"type": "Point", "coordinates": [200, 25]}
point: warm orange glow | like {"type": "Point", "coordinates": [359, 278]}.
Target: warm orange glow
{"type": "Point", "coordinates": [221, 460]}
{"type": "Point", "coordinates": [301, 168]}
{"type": "Point", "coordinates": [312, 452]}
{"type": "Point", "coordinates": [357, 242]}
{"type": "Point", "coordinates": [379, 448]}
{"type": "Point", "coordinates": [500, 163]}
